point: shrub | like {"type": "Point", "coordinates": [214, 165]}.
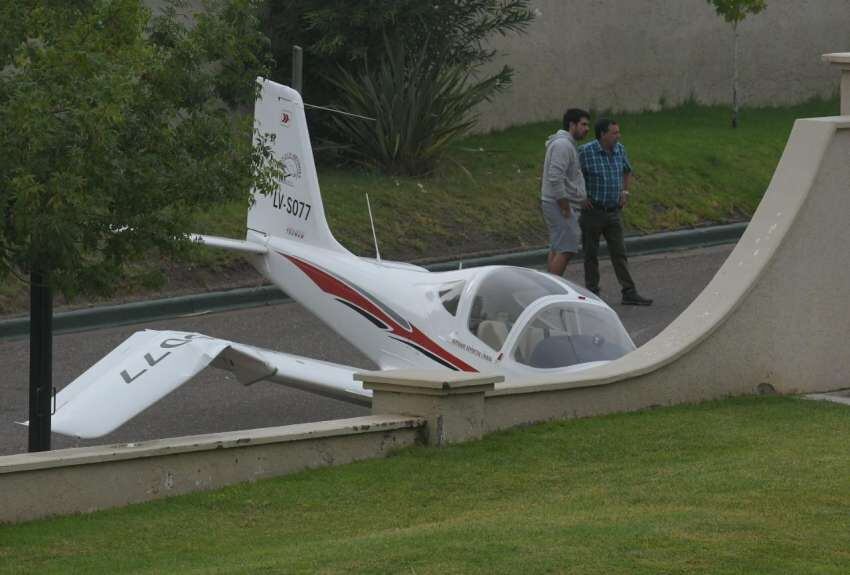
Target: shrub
{"type": "Point", "coordinates": [418, 106]}
{"type": "Point", "coordinates": [340, 33]}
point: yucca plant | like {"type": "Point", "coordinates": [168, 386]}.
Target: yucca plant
{"type": "Point", "coordinates": [418, 105]}
{"type": "Point", "coordinates": [346, 33]}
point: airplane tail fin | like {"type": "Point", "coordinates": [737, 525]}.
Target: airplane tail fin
{"type": "Point", "coordinates": [295, 210]}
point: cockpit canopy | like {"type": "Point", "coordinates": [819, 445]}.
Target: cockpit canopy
{"type": "Point", "coordinates": [562, 332]}
{"type": "Point", "coordinates": [567, 333]}
{"type": "Point", "coordinates": [502, 296]}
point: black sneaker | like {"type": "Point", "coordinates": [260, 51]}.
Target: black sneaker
{"type": "Point", "coordinates": [634, 298]}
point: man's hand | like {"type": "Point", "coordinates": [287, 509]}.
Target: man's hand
{"type": "Point", "coordinates": [587, 204]}
{"type": "Point", "coordinates": [624, 198]}
{"type": "Point", "coordinates": [566, 210]}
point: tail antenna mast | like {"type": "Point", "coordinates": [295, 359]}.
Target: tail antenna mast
{"type": "Point", "coordinates": [374, 235]}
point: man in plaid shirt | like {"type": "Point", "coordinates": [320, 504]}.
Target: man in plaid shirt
{"type": "Point", "coordinates": [607, 174]}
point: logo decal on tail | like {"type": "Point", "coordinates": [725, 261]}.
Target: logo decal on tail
{"type": "Point", "coordinates": [291, 169]}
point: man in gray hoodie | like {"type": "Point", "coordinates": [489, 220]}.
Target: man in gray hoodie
{"type": "Point", "coordinates": [562, 189]}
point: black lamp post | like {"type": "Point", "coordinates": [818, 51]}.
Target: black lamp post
{"type": "Point", "coordinates": [41, 361]}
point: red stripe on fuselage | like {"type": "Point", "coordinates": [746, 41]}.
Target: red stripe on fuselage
{"type": "Point", "coordinates": [332, 285]}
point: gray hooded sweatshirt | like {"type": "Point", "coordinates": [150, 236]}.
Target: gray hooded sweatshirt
{"type": "Point", "coordinates": [562, 177]}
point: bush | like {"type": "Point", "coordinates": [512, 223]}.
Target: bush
{"type": "Point", "coordinates": [418, 107]}
{"type": "Point", "coordinates": [341, 33]}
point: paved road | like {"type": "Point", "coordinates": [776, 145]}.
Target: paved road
{"type": "Point", "coordinates": [216, 402]}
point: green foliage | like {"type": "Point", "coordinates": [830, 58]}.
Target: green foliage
{"type": "Point", "coordinates": [734, 11]}
{"type": "Point", "coordinates": [419, 106]}
{"type": "Point", "coordinates": [337, 33]}
{"type": "Point", "coordinates": [116, 126]}
{"type": "Point", "coordinates": [345, 43]}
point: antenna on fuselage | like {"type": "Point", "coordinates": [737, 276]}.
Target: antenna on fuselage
{"type": "Point", "coordinates": [374, 235]}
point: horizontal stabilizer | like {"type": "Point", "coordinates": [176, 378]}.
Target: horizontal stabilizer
{"type": "Point", "coordinates": [230, 244]}
{"type": "Point", "coordinates": [151, 364]}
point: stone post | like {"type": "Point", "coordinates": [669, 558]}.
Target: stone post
{"type": "Point", "coordinates": [452, 403]}
{"type": "Point", "coordinates": [842, 61]}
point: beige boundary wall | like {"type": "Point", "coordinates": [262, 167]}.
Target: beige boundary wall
{"type": "Point", "coordinates": [775, 319]}
{"type": "Point", "coordinates": [83, 479]}
{"type": "Point", "coordinates": [633, 54]}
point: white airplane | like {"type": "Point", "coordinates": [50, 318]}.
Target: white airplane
{"type": "Point", "coordinates": [501, 319]}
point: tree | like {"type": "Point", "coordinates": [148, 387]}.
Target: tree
{"type": "Point", "coordinates": [734, 12]}
{"type": "Point", "coordinates": [418, 107]}
{"type": "Point", "coordinates": [348, 57]}
{"type": "Point", "coordinates": [339, 33]}
{"type": "Point", "coordinates": [115, 126]}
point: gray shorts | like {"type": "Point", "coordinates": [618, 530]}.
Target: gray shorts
{"type": "Point", "coordinates": [564, 233]}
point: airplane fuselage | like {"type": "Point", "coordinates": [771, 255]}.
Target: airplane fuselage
{"type": "Point", "coordinates": [392, 312]}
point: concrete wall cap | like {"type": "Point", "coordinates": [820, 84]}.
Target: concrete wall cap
{"type": "Point", "coordinates": [838, 59]}
{"type": "Point", "coordinates": [207, 442]}
{"type": "Point", "coordinates": [838, 122]}
{"type": "Point", "coordinates": [421, 380]}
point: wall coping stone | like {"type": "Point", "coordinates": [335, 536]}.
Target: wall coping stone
{"type": "Point", "coordinates": [206, 442]}
{"type": "Point", "coordinates": [428, 382]}
{"type": "Point", "coordinates": [841, 59]}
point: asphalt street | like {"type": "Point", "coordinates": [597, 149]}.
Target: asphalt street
{"type": "Point", "coordinates": [215, 402]}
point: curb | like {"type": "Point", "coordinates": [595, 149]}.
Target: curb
{"type": "Point", "coordinates": [196, 304]}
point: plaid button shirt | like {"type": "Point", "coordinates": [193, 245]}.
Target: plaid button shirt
{"type": "Point", "coordinates": [603, 173]}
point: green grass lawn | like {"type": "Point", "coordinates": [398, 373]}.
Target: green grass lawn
{"type": "Point", "coordinates": [755, 485]}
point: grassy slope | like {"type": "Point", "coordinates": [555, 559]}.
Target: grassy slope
{"type": "Point", "coordinates": [757, 485]}
{"type": "Point", "coordinates": [691, 167]}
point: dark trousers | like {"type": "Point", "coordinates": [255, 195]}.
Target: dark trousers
{"type": "Point", "coordinates": [595, 223]}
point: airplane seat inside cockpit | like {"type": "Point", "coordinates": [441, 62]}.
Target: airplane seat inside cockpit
{"type": "Point", "coordinates": [529, 339]}
{"type": "Point", "coordinates": [566, 350]}
{"type": "Point", "coordinates": [493, 333]}
{"type": "Point", "coordinates": [554, 352]}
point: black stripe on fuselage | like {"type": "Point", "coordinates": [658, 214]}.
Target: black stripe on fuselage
{"type": "Point", "coordinates": [427, 353]}
{"type": "Point", "coordinates": [378, 323]}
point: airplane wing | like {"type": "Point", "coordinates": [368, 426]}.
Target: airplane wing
{"type": "Point", "coordinates": [151, 364]}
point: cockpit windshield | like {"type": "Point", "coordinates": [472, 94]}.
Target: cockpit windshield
{"type": "Point", "coordinates": [449, 295]}
{"type": "Point", "coordinates": [564, 334]}
{"type": "Point", "coordinates": [502, 296]}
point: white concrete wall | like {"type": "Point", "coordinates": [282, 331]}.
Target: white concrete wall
{"type": "Point", "coordinates": [79, 480]}
{"type": "Point", "coordinates": [632, 54]}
